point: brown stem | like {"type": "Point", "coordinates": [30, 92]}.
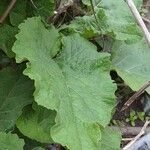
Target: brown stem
{"type": "Point", "coordinates": [7, 11]}
{"type": "Point", "coordinates": [135, 96]}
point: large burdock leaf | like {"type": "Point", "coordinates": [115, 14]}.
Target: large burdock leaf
{"type": "Point", "coordinates": [10, 142]}
{"type": "Point", "coordinates": [16, 91]}
{"type": "Point", "coordinates": [132, 63]}
{"type": "Point", "coordinates": [40, 121]}
{"type": "Point", "coordinates": [76, 83]}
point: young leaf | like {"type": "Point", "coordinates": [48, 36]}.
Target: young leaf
{"type": "Point", "coordinates": [40, 121]}
{"type": "Point", "coordinates": [15, 92]}
{"type": "Point", "coordinates": [76, 84]}
{"type": "Point", "coordinates": [10, 142]}
{"type": "Point", "coordinates": [132, 63]}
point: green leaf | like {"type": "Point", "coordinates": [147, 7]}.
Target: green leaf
{"type": "Point", "coordinates": [10, 142]}
{"type": "Point", "coordinates": [40, 121]}
{"type": "Point", "coordinates": [131, 61]}
{"type": "Point", "coordinates": [7, 38]}
{"type": "Point", "coordinates": [120, 19]}
{"type": "Point", "coordinates": [88, 25]}
{"type": "Point", "coordinates": [23, 8]}
{"type": "Point", "coordinates": [43, 8]}
{"type": "Point", "coordinates": [113, 18]}
{"type": "Point", "coordinates": [110, 139]}
{"type": "Point", "coordinates": [76, 84]}
{"type": "Point", "coordinates": [53, 44]}
{"type": "Point", "coordinates": [18, 14]}
{"type": "Point", "coordinates": [15, 92]}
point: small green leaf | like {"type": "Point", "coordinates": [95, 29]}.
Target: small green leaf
{"type": "Point", "coordinates": [141, 115]}
{"type": "Point", "coordinates": [10, 142]}
{"type": "Point", "coordinates": [133, 123]}
{"type": "Point", "coordinates": [132, 113]}
{"type": "Point", "coordinates": [135, 117]}
{"type": "Point", "coordinates": [15, 92]}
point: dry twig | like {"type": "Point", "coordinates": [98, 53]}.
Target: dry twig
{"type": "Point", "coordinates": [61, 9]}
{"type": "Point", "coordinates": [146, 5]}
{"type": "Point", "coordinates": [33, 4]}
{"type": "Point", "coordinates": [146, 20]}
{"type": "Point", "coordinates": [135, 96]}
{"type": "Point", "coordinates": [127, 139]}
{"type": "Point", "coordinates": [7, 11]}
{"type": "Point", "coordinates": [129, 131]}
{"type": "Point", "coordinates": [139, 19]}
{"type": "Point", "coordinates": [138, 136]}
